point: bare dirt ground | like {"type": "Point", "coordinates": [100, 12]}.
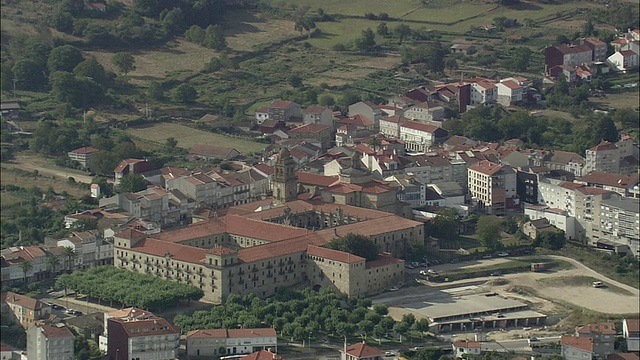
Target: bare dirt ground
{"type": "Point", "coordinates": [28, 163]}
{"type": "Point", "coordinates": [547, 292]}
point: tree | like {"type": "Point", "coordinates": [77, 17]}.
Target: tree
{"type": "Point", "coordinates": [28, 75]}
{"type": "Point", "coordinates": [408, 319]}
{"type": "Point", "coordinates": [62, 21]}
{"type": "Point", "coordinates": [155, 90]}
{"type": "Point", "coordinates": [402, 31]}
{"type": "Point", "coordinates": [132, 183]}
{"type": "Point", "coordinates": [25, 266]}
{"type": "Point", "coordinates": [366, 41]}
{"type": "Point", "coordinates": [184, 93]}
{"type": "Point", "coordinates": [445, 225]}
{"type": "Point", "coordinates": [214, 38]}
{"type": "Point", "coordinates": [170, 144]}
{"type": "Point", "coordinates": [53, 261]}
{"type": "Point", "coordinates": [70, 255]}
{"type": "Point", "coordinates": [295, 80]}
{"type": "Point", "coordinates": [355, 244]}
{"type": "Point", "coordinates": [488, 230]}
{"type": "Point", "coordinates": [627, 117]}
{"type": "Point", "coordinates": [90, 68]}
{"type": "Point", "coordinates": [383, 29]}
{"type": "Point", "coordinates": [195, 34]}
{"type": "Point", "coordinates": [519, 58]}
{"type": "Point", "coordinates": [6, 77]}
{"type": "Point", "coordinates": [305, 23]}
{"type": "Point", "coordinates": [64, 58]}
{"type": "Point", "coordinates": [381, 309]}
{"type": "Point", "coordinates": [173, 21]}
{"type": "Point", "coordinates": [422, 325]}
{"type": "Point", "coordinates": [553, 240]}
{"type": "Point", "coordinates": [326, 100]}
{"type": "Point", "coordinates": [452, 64]}
{"type": "Point", "coordinates": [401, 328]}
{"type": "Point", "coordinates": [124, 62]}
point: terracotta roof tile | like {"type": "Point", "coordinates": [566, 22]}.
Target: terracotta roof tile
{"type": "Point", "coordinates": [582, 343]}
{"type": "Point", "coordinates": [262, 355]}
{"type": "Point", "coordinates": [486, 167]}
{"type": "Point", "coordinates": [610, 179]}
{"type": "Point", "coordinates": [315, 179]}
{"type": "Point", "coordinates": [84, 150]}
{"type": "Point", "coordinates": [606, 328]}
{"type": "Point", "coordinates": [604, 145]}
{"type": "Point", "coordinates": [633, 325]}
{"type": "Point", "coordinates": [21, 300]}
{"type": "Point", "coordinates": [310, 129]}
{"type": "Point", "coordinates": [336, 255]}
{"type": "Point", "coordinates": [361, 350]}
{"type": "Point", "coordinates": [51, 332]}
{"type": "Point", "coordinates": [154, 326]}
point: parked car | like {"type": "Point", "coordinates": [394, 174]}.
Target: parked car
{"type": "Point", "coordinates": [388, 353]}
{"type": "Point", "coordinates": [503, 254]}
{"type": "Point", "coordinates": [394, 288]}
{"type": "Point", "coordinates": [486, 256]}
{"type": "Point", "coordinates": [496, 273]}
{"type": "Point", "coordinates": [431, 271]}
{"type": "Point", "coordinates": [598, 284]}
{"type": "Point", "coordinates": [422, 272]}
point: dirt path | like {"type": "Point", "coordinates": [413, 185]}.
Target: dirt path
{"type": "Point", "coordinates": [25, 163]}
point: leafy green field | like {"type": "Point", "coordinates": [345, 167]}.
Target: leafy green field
{"type": "Point", "coordinates": [187, 137]}
{"type": "Point", "coordinates": [396, 8]}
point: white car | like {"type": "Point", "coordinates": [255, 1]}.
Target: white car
{"type": "Point", "coordinates": [431, 271]}
{"type": "Point", "coordinates": [503, 254]}
{"type": "Point", "coordinates": [388, 353]}
{"type": "Point", "coordinates": [423, 273]}
{"type": "Point", "coordinates": [394, 288]}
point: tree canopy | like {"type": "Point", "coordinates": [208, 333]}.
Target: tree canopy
{"type": "Point", "coordinates": [355, 244]}
{"type": "Point", "coordinates": [128, 288]}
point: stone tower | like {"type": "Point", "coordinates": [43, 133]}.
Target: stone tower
{"type": "Point", "coordinates": [285, 187]}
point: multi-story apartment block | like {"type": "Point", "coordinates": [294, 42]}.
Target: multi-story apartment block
{"type": "Point", "coordinates": [430, 168]}
{"type": "Point", "coordinates": [153, 204]}
{"type": "Point", "coordinates": [622, 184]}
{"type": "Point", "coordinates": [509, 92]}
{"type": "Point", "coordinates": [48, 342]}
{"type": "Point", "coordinates": [90, 249]}
{"type": "Point", "coordinates": [483, 93]}
{"type": "Point", "coordinates": [557, 217]}
{"type": "Point", "coordinates": [200, 187]}
{"type": "Point", "coordinates": [576, 348]}
{"type": "Point", "coordinates": [417, 136]}
{"type": "Point", "coordinates": [23, 309]}
{"type": "Point", "coordinates": [618, 220]}
{"type": "Point", "coordinates": [367, 109]}
{"type": "Point", "coordinates": [210, 342]}
{"type": "Point", "coordinates": [603, 157]}
{"type": "Point", "coordinates": [424, 112]}
{"type": "Point", "coordinates": [318, 115]}
{"type": "Point", "coordinates": [410, 189]}
{"type": "Point", "coordinates": [83, 155]}
{"type": "Point", "coordinates": [13, 257]}
{"type": "Point", "coordinates": [282, 110]}
{"type": "Point", "coordinates": [319, 133]}
{"type": "Point", "coordinates": [631, 333]}
{"type": "Point", "coordinates": [149, 337]}
{"type": "Point", "coordinates": [603, 335]}
{"type": "Point", "coordinates": [492, 186]}
{"type": "Point", "coordinates": [571, 55]}
{"type": "Point", "coordinates": [597, 46]}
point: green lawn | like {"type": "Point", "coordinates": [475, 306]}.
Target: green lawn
{"type": "Point", "coordinates": [187, 137]}
{"type": "Point", "coordinates": [394, 8]}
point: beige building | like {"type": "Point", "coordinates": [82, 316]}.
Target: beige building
{"type": "Point", "coordinates": [211, 342]}
{"type": "Point", "coordinates": [48, 342]}
{"type": "Point", "coordinates": [23, 309]}
{"type": "Point", "coordinates": [492, 186]}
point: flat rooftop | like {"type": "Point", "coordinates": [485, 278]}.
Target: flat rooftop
{"type": "Point", "coordinates": [451, 306]}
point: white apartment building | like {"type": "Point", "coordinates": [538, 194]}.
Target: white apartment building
{"type": "Point", "coordinates": [424, 112]}
{"type": "Point", "coordinates": [430, 168]}
{"type": "Point", "coordinates": [49, 342]}
{"type": "Point", "coordinates": [509, 92]}
{"type": "Point", "coordinates": [491, 185]}
{"type": "Point", "coordinates": [618, 220]}
{"type": "Point", "coordinates": [558, 218]}
{"type": "Point", "coordinates": [234, 341]}
{"type": "Point", "coordinates": [558, 194]}
{"type": "Point", "coordinates": [483, 93]}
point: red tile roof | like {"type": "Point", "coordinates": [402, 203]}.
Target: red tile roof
{"type": "Point", "coordinates": [432, 129]}
{"type": "Point", "coordinates": [315, 179]}
{"type": "Point", "coordinates": [633, 325]}
{"type": "Point", "coordinates": [628, 53]}
{"type": "Point", "coordinates": [604, 145]}
{"type": "Point", "coordinates": [265, 169]}
{"type": "Point", "coordinates": [21, 300]}
{"type": "Point", "coordinates": [582, 343]}
{"type": "Point", "coordinates": [211, 150]}
{"type": "Point", "coordinates": [610, 179]}
{"type": "Point", "coordinates": [623, 356]}
{"type": "Point", "coordinates": [358, 120]}
{"type": "Point", "coordinates": [361, 350]}
{"type": "Point", "coordinates": [310, 129]}
{"type": "Point", "coordinates": [51, 332]}
{"type": "Point", "coordinates": [486, 167]}
{"type": "Point", "coordinates": [154, 326]}
{"type": "Point", "coordinates": [340, 256]}
{"type": "Point", "coordinates": [281, 104]}
{"type": "Point", "coordinates": [587, 190]}
{"type": "Point", "coordinates": [262, 355]}
{"type": "Point", "coordinates": [178, 251]}
{"type": "Point", "coordinates": [467, 344]}
{"type": "Point", "coordinates": [383, 260]}
{"type": "Point", "coordinates": [315, 109]}
{"type": "Point", "coordinates": [232, 333]}
{"type": "Point", "coordinates": [281, 248]}
{"type": "Point", "coordinates": [84, 150]}
{"type": "Point", "coordinates": [607, 328]}
{"type": "Point", "coordinates": [511, 84]}
{"type": "Point", "coordinates": [486, 85]}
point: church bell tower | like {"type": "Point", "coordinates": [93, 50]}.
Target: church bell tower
{"type": "Point", "coordinates": [284, 181]}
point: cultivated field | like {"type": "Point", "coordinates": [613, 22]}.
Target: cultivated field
{"type": "Point", "coordinates": [179, 56]}
{"type": "Point", "coordinates": [187, 137]}
{"type": "Point", "coordinates": [10, 176]}
{"type": "Point", "coordinates": [245, 31]}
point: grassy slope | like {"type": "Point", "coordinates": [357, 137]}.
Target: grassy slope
{"type": "Point", "coordinates": [187, 137]}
